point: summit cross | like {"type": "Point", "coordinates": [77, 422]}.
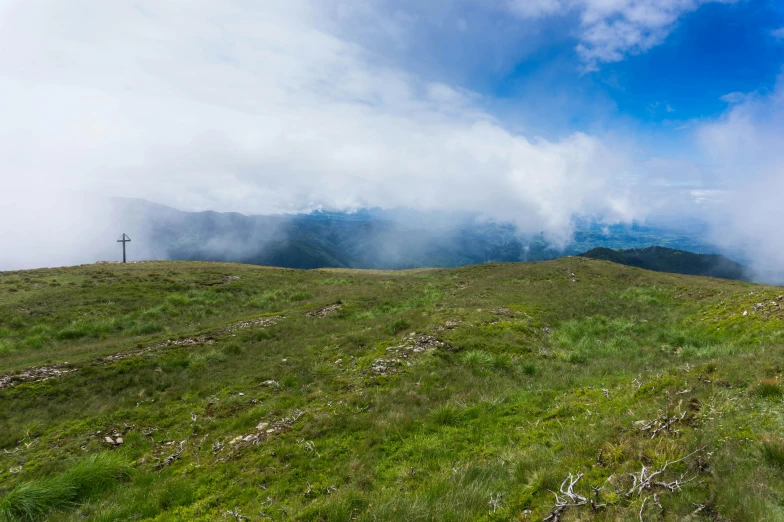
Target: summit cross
{"type": "Point", "coordinates": [125, 239]}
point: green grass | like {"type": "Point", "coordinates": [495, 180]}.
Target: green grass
{"type": "Point", "coordinates": [537, 377]}
{"type": "Point", "coordinates": [773, 451]}
{"type": "Point", "coordinates": [36, 499]}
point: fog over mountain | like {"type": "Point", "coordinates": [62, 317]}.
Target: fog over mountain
{"type": "Point", "coordinates": [542, 115]}
{"type": "Point", "coordinates": [369, 238]}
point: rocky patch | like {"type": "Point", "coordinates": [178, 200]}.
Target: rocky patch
{"type": "Point", "coordinates": [34, 374]}
{"type": "Point", "coordinates": [263, 431]}
{"type": "Point", "coordinates": [414, 344]}
{"type": "Point", "coordinates": [385, 366]}
{"type": "Point", "coordinates": [449, 325]}
{"type": "Point", "coordinates": [325, 311]}
{"type": "Point", "coordinates": [766, 308]}
{"type": "Point", "coordinates": [503, 312]}
{"type": "Point", "coordinates": [186, 341]}
{"type": "Point", "coordinates": [251, 323]}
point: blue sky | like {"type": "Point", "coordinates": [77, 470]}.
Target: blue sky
{"type": "Point", "coordinates": [536, 112]}
{"type": "Point", "coordinates": [717, 49]}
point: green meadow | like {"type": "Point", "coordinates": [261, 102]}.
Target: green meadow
{"type": "Point", "coordinates": [567, 390]}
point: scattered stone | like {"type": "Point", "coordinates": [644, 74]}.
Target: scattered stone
{"type": "Point", "coordinates": [263, 431]}
{"type": "Point", "coordinates": [250, 323]}
{"type": "Point", "coordinates": [419, 343]}
{"type": "Point", "coordinates": [449, 325]}
{"type": "Point", "coordinates": [765, 308]}
{"type": "Point", "coordinates": [504, 312]}
{"type": "Point", "coordinates": [113, 441]}
{"type": "Point", "coordinates": [187, 341]}
{"type": "Point", "coordinates": [413, 343]}
{"type": "Point", "coordinates": [271, 383]}
{"type": "Point", "coordinates": [237, 440]}
{"type": "Point", "coordinates": [384, 366]}
{"type": "Point", "coordinates": [324, 311]}
{"type": "Point", "coordinates": [34, 374]}
{"type": "Point", "coordinates": [120, 356]}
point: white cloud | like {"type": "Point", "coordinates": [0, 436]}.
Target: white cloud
{"type": "Point", "coordinates": [778, 33]}
{"type": "Point", "coordinates": [612, 29]}
{"type": "Point", "coordinates": [744, 150]}
{"type": "Point", "coordinates": [734, 97]}
{"type": "Point", "coordinates": [257, 108]}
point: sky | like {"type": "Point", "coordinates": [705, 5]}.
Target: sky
{"type": "Point", "coordinates": [536, 112]}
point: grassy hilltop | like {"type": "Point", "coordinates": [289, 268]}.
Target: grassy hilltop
{"type": "Point", "coordinates": [565, 390]}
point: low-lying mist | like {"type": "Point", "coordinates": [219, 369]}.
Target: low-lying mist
{"type": "Point", "coordinates": [86, 229]}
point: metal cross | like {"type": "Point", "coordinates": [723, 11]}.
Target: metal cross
{"type": "Point", "coordinates": [125, 239]}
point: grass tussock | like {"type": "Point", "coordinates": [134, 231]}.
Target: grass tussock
{"type": "Point", "coordinates": [30, 501]}
{"type": "Point", "coordinates": [769, 388]}
{"type": "Point", "coordinates": [773, 451]}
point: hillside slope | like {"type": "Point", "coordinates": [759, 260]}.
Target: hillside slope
{"type": "Point", "coordinates": [662, 259]}
{"type": "Point", "coordinates": [208, 391]}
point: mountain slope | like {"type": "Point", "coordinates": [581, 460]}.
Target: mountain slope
{"type": "Point", "coordinates": [663, 259]}
{"type": "Point", "coordinates": [209, 391]}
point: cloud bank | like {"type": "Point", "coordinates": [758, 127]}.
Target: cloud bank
{"type": "Point", "coordinates": [290, 106]}
{"type": "Point", "coordinates": [745, 154]}
{"type": "Point", "coordinates": [257, 108]}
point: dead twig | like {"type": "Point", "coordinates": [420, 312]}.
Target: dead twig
{"type": "Point", "coordinates": [662, 423]}
{"type": "Point", "coordinates": [644, 480]}
{"type": "Point", "coordinates": [566, 498]}
{"type": "Point", "coordinates": [496, 502]}
{"type": "Point", "coordinates": [171, 459]}
{"type": "Point", "coordinates": [236, 514]}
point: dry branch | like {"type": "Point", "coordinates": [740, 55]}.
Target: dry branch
{"type": "Point", "coordinates": [662, 423]}
{"type": "Point", "coordinates": [566, 498]}
{"type": "Point", "coordinates": [644, 480]}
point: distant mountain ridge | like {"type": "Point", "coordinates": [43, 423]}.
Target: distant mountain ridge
{"type": "Point", "coordinates": [370, 238]}
{"type": "Point", "coordinates": [662, 259]}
